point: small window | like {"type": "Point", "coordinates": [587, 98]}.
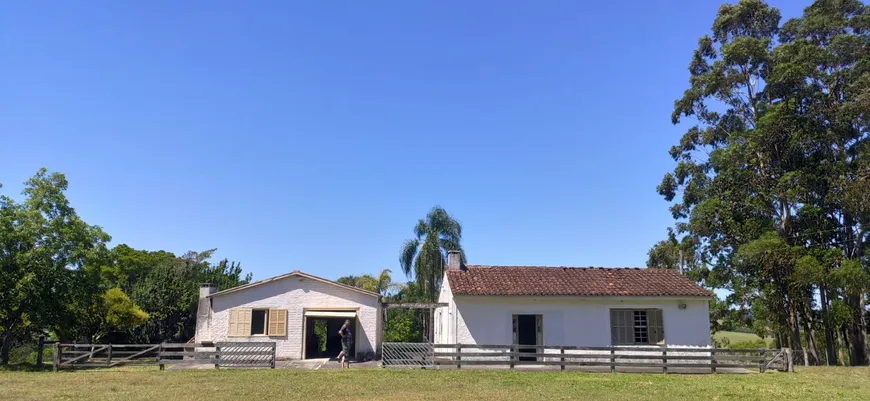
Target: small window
{"type": "Point", "coordinates": [641, 330]}
{"type": "Point", "coordinates": [258, 322]}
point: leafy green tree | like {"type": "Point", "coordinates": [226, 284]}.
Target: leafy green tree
{"type": "Point", "coordinates": [42, 244]}
{"type": "Point", "coordinates": [771, 181]}
{"type": "Point", "coordinates": [120, 312]}
{"type": "Point", "coordinates": [382, 284]}
{"type": "Point", "coordinates": [169, 291]}
{"type": "Point", "coordinates": [424, 256]}
{"type": "Point", "coordinates": [406, 325]}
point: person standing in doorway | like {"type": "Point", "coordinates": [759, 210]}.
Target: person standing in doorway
{"type": "Point", "coordinates": [346, 343]}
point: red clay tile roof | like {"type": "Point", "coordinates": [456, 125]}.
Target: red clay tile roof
{"type": "Point", "coordinates": [571, 281]}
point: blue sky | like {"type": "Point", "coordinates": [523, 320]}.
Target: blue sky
{"type": "Point", "coordinates": [312, 135]}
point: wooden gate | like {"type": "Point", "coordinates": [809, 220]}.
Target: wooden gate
{"type": "Point", "coordinates": [104, 355]}
{"type": "Point", "coordinates": [227, 354]}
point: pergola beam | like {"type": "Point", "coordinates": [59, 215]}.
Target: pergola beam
{"type": "Point", "coordinates": [413, 305]}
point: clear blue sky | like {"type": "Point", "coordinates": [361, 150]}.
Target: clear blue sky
{"type": "Point", "coordinates": [312, 135]}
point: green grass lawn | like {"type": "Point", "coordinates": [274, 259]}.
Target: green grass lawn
{"type": "Point", "coordinates": [736, 336]}
{"type": "Point", "coordinates": [408, 385]}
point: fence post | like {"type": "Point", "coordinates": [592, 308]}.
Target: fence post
{"type": "Point", "coordinates": [109, 356]}
{"type": "Point", "coordinates": [713, 360]}
{"type": "Point", "coordinates": [217, 356]}
{"type": "Point", "coordinates": [160, 356]}
{"type": "Point", "coordinates": [612, 359]}
{"type": "Point", "coordinates": [665, 358]}
{"type": "Point", "coordinates": [562, 350]}
{"type": "Point", "coordinates": [458, 356]}
{"type": "Point", "coordinates": [512, 348]}
{"type": "Point", "coordinates": [56, 357]}
{"type": "Point", "coordinates": [274, 354]}
{"type": "Point", "coordinates": [41, 346]}
{"type": "Point", "coordinates": [762, 363]}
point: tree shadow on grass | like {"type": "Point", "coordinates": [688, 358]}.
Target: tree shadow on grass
{"type": "Point", "coordinates": [25, 367]}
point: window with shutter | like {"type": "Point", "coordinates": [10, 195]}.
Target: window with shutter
{"type": "Point", "coordinates": [636, 326]}
{"type": "Point", "coordinates": [233, 327]}
{"type": "Point", "coordinates": [244, 326]}
{"type": "Point", "coordinates": [277, 322]}
{"type": "Point", "coordinates": [240, 323]}
{"type": "Point", "coordinates": [621, 327]}
{"type": "Point", "coordinates": [656, 326]}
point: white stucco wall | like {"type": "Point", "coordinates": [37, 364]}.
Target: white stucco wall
{"type": "Point", "coordinates": [573, 321]}
{"type": "Point", "coordinates": [296, 294]}
{"type": "Point", "coordinates": [445, 332]}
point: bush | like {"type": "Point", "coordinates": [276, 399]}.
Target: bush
{"type": "Point", "coordinates": [26, 353]}
{"type": "Point", "coordinates": [753, 344]}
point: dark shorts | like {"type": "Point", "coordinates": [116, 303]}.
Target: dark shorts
{"type": "Point", "coordinates": [345, 346]}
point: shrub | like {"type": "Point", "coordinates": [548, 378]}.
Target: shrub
{"type": "Point", "coordinates": [756, 344]}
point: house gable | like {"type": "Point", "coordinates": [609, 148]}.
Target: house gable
{"type": "Point", "coordinates": [298, 274]}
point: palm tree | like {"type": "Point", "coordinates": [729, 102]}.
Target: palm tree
{"type": "Point", "coordinates": [383, 284]}
{"type": "Point", "coordinates": [423, 256]}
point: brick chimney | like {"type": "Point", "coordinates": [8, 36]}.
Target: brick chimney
{"type": "Point", "coordinates": [454, 260]}
{"type": "Point", "coordinates": [203, 313]}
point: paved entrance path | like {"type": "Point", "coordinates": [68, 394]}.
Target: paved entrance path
{"type": "Point", "coordinates": [318, 364]}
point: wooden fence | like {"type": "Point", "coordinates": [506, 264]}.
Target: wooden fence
{"type": "Point", "coordinates": [231, 354]}
{"type": "Point", "coordinates": [234, 355]}
{"type": "Point", "coordinates": [640, 358]}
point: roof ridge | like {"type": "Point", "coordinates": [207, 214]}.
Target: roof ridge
{"type": "Point", "coordinates": [486, 280]}
{"type": "Point", "coordinates": [566, 267]}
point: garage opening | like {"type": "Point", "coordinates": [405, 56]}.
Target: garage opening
{"type": "Point", "coordinates": [321, 333]}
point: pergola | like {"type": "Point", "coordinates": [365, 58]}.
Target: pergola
{"type": "Point", "coordinates": [413, 305]}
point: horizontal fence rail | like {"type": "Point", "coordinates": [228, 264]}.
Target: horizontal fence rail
{"type": "Point", "coordinates": [233, 355]}
{"type": "Point", "coordinates": [420, 355]}
{"type": "Point", "coordinates": [229, 354]}
{"type": "Point", "coordinates": [658, 357]}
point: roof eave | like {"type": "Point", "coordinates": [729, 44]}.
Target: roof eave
{"type": "Point", "coordinates": [699, 297]}
{"type": "Point", "coordinates": [293, 273]}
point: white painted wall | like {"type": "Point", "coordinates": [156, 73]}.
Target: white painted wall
{"type": "Point", "coordinates": [445, 316]}
{"type": "Point", "coordinates": [294, 294]}
{"type": "Point", "coordinates": [574, 321]}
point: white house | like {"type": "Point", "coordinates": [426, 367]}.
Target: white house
{"type": "Point", "coordinates": [296, 311]}
{"type": "Point", "coordinates": [590, 307]}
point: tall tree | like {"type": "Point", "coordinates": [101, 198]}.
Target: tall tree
{"type": "Point", "coordinates": [43, 243]}
{"type": "Point", "coordinates": [424, 256]}
{"type": "Point", "coordinates": [766, 179]}
{"type": "Point", "coordinates": [382, 284]}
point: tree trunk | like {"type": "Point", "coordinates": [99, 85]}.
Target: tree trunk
{"type": "Point", "coordinates": [841, 334]}
{"type": "Point", "coordinates": [812, 348]}
{"type": "Point", "coordinates": [5, 347]}
{"type": "Point", "coordinates": [830, 357]}
{"type": "Point", "coordinates": [857, 332]}
{"type": "Point", "coordinates": [795, 327]}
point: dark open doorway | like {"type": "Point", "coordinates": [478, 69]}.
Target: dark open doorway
{"type": "Point", "coordinates": [527, 331]}
{"type": "Point", "coordinates": [322, 339]}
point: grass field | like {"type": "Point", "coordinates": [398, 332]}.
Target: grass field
{"type": "Point", "coordinates": [736, 336]}
{"type": "Point", "coordinates": [407, 385]}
